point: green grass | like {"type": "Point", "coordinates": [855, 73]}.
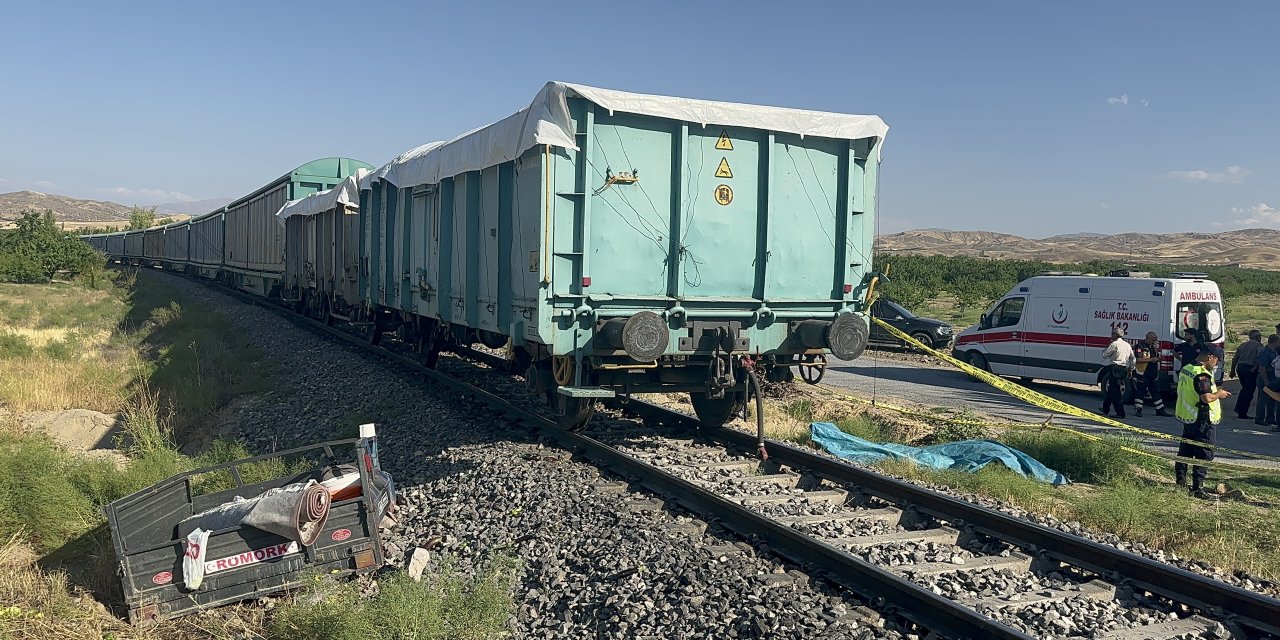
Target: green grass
{"type": "Point", "coordinates": [946, 309]}
{"type": "Point", "coordinates": [1082, 460]}
{"type": "Point", "coordinates": [443, 606]}
{"type": "Point", "coordinates": [865, 427]}
{"type": "Point", "coordinates": [52, 497]}
{"type": "Point", "coordinates": [14, 346]}
{"type": "Point", "coordinates": [195, 359]}
{"type": "Point", "coordinates": [1259, 312]}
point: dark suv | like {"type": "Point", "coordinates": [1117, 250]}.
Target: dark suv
{"type": "Point", "coordinates": [934, 333]}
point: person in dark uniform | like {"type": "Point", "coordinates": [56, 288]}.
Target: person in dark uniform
{"type": "Point", "coordinates": [1146, 375]}
{"type": "Point", "coordinates": [1244, 365]}
{"type": "Point", "coordinates": [1265, 412]}
{"type": "Point", "coordinates": [1189, 349]}
{"type": "Point", "coordinates": [1199, 410]}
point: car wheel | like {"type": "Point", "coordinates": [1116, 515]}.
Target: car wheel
{"type": "Point", "coordinates": [977, 361]}
{"type": "Point", "coordinates": [923, 338]}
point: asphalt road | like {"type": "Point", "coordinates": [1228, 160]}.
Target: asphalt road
{"type": "Point", "coordinates": [928, 386]}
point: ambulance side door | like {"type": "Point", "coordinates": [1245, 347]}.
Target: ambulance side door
{"type": "Point", "coordinates": [1002, 336]}
{"type": "Point", "coordinates": [1053, 344]}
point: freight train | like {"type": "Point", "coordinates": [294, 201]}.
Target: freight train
{"type": "Point", "coordinates": [612, 243]}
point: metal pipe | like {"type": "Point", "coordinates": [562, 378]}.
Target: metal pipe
{"type": "Point", "coordinates": [755, 388]}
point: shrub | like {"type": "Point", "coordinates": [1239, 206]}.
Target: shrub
{"type": "Point", "coordinates": [1082, 459]}
{"type": "Point", "coordinates": [36, 250]}
{"type": "Point", "coordinates": [446, 605]}
{"type": "Point", "coordinates": [13, 345]}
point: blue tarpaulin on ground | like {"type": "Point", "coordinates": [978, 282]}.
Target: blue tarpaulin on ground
{"type": "Point", "coordinates": [966, 455]}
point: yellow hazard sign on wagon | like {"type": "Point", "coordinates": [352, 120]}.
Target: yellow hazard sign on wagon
{"type": "Point", "coordinates": [723, 171]}
{"type": "Point", "coordinates": [724, 194]}
{"type": "Point", "coordinates": [724, 143]}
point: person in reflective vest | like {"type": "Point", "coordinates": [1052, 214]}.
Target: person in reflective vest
{"type": "Point", "coordinates": [1199, 410]}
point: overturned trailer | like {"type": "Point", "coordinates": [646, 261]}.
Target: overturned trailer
{"type": "Point", "coordinates": [179, 552]}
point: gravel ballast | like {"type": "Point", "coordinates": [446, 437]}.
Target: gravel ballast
{"type": "Point", "coordinates": [594, 562]}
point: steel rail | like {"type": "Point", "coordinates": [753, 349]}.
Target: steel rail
{"type": "Point", "coordinates": [885, 591]}
{"type": "Point", "coordinates": [1217, 598]}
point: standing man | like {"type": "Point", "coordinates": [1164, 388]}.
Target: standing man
{"type": "Point", "coordinates": [1244, 363]}
{"type": "Point", "coordinates": [1265, 412]}
{"type": "Point", "coordinates": [1189, 349]}
{"type": "Point", "coordinates": [1117, 360]}
{"type": "Point", "coordinates": [1199, 410]}
{"type": "Point", "coordinates": [1145, 382]}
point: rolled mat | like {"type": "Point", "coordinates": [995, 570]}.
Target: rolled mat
{"type": "Point", "coordinates": [296, 511]}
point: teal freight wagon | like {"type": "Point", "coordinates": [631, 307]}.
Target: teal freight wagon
{"type": "Point", "coordinates": [253, 238]}
{"type": "Point", "coordinates": [620, 243]}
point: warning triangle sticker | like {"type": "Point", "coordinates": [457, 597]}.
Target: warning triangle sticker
{"type": "Point", "coordinates": [723, 171]}
{"type": "Point", "coordinates": [724, 143]}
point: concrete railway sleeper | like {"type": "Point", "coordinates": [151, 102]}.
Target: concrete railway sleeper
{"type": "Point", "coordinates": [894, 544]}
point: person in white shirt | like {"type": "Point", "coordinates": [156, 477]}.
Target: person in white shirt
{"type": "Point", "coordinates": [1118, 361]}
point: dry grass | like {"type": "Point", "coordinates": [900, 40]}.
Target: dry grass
{"type": "Point", "coordinates": [42, 605]}
{"type": "Point", "coordinates": [42, 384]}
{"type": "Point", "coordinates": [57, 349]}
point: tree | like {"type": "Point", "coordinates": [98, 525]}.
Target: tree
{"type": "Point", "coordinates": [35, 250]}
{"type": "Point", "coordinates": [140, 218]}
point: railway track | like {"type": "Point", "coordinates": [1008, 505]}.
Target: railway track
{"type": "Point", "coordinates": [950, 567]}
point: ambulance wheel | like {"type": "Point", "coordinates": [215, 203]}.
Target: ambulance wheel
{"type": "Point", "coordinates": [976, 360]}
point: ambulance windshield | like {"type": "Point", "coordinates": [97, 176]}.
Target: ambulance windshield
{"type": "Point", "coordinates": [1204, 317]}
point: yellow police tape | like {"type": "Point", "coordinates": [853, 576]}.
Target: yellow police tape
{"type": "Point", "coordinates": [1057, 406]}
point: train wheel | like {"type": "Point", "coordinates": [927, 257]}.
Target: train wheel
{"type": "Point", "coordinates": [373, 331]}
{"type": "Point", "coordinates": [572, 414]}
{"type": "Point", "coordinates": [326, 312]}
{"type": "Point", "coordinates": [429, 349]}
{"type": "Point", "coordinates": [813, 370]}
{"type": "Point", "coordinates": [518, 359]}
{"type": "Point", "coordinates": [713, 412]}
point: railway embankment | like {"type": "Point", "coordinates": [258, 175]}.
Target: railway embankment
{"type": "Point", "coordinates": [114, 382]}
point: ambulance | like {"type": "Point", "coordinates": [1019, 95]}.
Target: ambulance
{"type": "Point", "coordinates": [1055, 327]}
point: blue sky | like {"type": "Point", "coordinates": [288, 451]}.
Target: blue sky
{"type": "Point", "coordinates": [1021, 117]}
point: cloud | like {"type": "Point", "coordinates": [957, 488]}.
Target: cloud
{"type": "Point", "coordinates": [147, 195]}
{"type": "Point", "coordinates": [1124, 99]}
{"type": "Point", "coordinates": [1145, 102]}
{"type": "Point", "coordinates": [1233, 174]}
{"type": "Point", "coordinates": [1261, 213]}
{"type": "Point", "coordinates": [1105, 205]}
{"type": "Point", "coordinates": [44, 184]}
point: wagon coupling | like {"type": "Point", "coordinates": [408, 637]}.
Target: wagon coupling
{"type": "Point", "coordinates": [643, 335]}
{"type": "Point", "coordinates": [846, 336]}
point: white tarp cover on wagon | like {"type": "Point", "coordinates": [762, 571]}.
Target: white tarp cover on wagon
{"type": "Point", "coordinates": [546, 121]}
{"type": "Point", "coordinates": [347, 193]}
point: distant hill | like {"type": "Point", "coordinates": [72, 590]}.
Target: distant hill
{"type": "Point", "coordinates": [74, 213]}
{"type": "Point", "coordinates": [1256, 248]}
{"type": "Point", "coordinates": [64, 209]}
{"type": "Point", "coordinates": [193, 208]}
